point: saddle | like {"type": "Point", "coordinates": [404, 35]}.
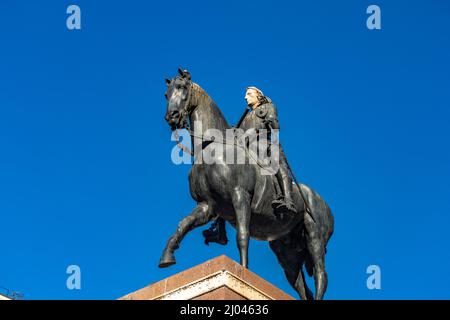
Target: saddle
{"type": "Point", "coordinates": [266, 191]}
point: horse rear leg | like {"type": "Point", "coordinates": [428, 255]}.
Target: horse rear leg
{"type": "Point", "coordinates": [300, 284]}
{"type": "Point", "coordinates": [291, 262]}
{"type": "Point", "coordinates": [200, 216]}
{"type": "Point", "coordinates": [316, 248]}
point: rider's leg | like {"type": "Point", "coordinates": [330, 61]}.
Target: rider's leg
{"type": "Point", "coordinates": [216, 233]}
{"type": "Point", "coordinates": [285, 181]}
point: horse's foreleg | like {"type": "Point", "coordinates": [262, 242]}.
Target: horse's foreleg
{"type": "Point", "coordinates": [200, 216]}
{"type": "Point", "coordinates": [241, 204]}
{"type": "Point", "coordinates": [316, 249]}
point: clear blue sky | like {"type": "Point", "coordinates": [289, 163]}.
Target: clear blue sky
{"type": "Point", "coordinates": [85, 171]}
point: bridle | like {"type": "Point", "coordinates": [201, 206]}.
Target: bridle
{"type": "Point", "coordinates": [185, 114]}
{"type": "Point", "coordinates": [188, 108]}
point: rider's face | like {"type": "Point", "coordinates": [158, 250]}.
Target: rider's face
{"type": "Point", "coordinates": [252, 97]}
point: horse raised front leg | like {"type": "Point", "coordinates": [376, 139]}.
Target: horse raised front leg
{"type": "Point", "coordinates": [316, 249]}
{"type": "Point", "coordinates": [241, 204]}
{"type": "Point", "coordinates": [200, 216]}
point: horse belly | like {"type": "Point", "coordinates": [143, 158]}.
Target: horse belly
{"type": "Point", "coordinates": [270, 227]}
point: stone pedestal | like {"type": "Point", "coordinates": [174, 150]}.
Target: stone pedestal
{"type": "Point", "coordinates": [218, 279]}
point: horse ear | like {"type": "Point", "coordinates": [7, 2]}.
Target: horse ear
{"type": "Point", "coordinates": [187, 75]}
{"type": "Point", "coordinates": [184, 74]}
{"type": "Point", "coordinates": [167, 82]}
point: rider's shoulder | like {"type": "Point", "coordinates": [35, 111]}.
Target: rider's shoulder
{"type": "Point", "coordinates": [269, 107]}
{"type": "Point", "coordinates": [265, 109]}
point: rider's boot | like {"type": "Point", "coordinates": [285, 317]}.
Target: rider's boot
{"type": "Point", "coordinates": [284, 202]}
{"type": "Point", "coordinates": [216, 233]}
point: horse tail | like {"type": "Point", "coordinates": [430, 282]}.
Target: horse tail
{"type": "Point", "coordinates": [322, 215]}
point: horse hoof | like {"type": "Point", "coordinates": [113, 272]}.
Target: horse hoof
{"type": "Point", "coordinates": [167, 260]}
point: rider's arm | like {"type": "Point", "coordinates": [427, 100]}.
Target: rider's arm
{"type": "Point", "coordinates": [271, 118]}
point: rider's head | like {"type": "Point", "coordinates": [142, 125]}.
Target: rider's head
{"type": "Point", "coordinates": [255, 97]}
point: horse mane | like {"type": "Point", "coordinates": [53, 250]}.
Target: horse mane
{"type": "Point", "coordinates": [199, 93]}
{"type": "Point", "coordinates": [201, 99]}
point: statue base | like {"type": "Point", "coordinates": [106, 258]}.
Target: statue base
{"type": "Point", "coordinates": [218, 279]}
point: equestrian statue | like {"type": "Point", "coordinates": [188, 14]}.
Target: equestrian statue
{"type": "Point", "coordinates": [291, 216]}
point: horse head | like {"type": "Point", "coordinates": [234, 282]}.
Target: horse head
{"type": "Point", "coordinates": [178, 100]}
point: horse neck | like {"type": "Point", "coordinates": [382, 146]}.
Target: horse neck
{"type": "Point", "coordinates": [206, 112]}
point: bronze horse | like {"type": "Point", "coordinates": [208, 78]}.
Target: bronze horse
{"type": "Point", "coordinates": [241, 195]}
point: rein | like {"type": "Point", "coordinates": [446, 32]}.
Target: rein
{"type": "Point", "coordinates": [223, 141]}
{"type": "Point", "coordinates": [186, 113]}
